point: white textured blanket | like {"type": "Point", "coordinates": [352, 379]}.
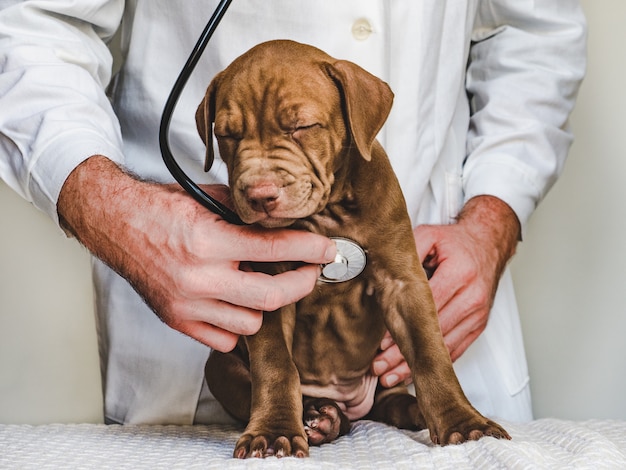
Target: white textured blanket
{"type": "Point", "coordinates": [542, 444]}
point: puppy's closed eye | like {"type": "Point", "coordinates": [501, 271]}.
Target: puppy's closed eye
{"type": "Point", "coordinates": [302, 130]}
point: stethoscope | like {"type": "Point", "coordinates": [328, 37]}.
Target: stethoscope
{"type": "Point", "coordinates": [350, 260]}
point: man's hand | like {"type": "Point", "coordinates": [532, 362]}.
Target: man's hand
{"type": "Point", "coordinates": [467, 260]}
{"type": "Point", "coordinates": [181, 258]}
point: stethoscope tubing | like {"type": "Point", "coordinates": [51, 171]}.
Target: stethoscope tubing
{"type": "Point", "coordinates": [168, 158]}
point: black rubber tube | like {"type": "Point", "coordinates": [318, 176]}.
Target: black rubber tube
{"type": "Point", "coordinates": [177, 172]}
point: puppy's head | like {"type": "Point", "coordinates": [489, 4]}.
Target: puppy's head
{"type": "Point", "coordinates": [285, 116]}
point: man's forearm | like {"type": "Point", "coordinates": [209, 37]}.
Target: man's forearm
{"type": "Point", "coordinates": [91, 205]}
{"type": "Point", "coordinates": [118, 218]}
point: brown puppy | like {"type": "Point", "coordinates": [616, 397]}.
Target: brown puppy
{"type": "Point", "coordinates": [296, 129]}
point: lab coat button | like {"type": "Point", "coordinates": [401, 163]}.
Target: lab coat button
{"type": "Point", "coordinates": [361, 29]}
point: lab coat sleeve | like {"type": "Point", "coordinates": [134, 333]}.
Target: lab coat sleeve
{"type": "Point", "coordinates": [526, 62]}
{"type": "Point", "coordinates": [54, 112]}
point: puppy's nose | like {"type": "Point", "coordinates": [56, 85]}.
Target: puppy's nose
{"type": "Point", "coordinates": [263, 196]}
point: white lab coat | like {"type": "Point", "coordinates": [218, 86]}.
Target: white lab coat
{"type": "Point", "coordinates": [500, 129]}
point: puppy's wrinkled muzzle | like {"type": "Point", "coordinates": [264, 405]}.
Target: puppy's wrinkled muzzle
{"type": "Point", "coordinates": [273, 201]}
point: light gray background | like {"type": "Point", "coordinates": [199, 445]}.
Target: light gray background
{"type": "Point", "coordinates": [570, 273]}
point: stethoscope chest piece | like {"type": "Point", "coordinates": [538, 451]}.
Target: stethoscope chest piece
{"type": "Point", "coordinates": [348, 264]}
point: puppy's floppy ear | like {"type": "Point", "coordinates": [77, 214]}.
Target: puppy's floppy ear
{"type": "Point", "coordinates": [367, 101]}
{"type": "Point", "coordinates": [205, 115]}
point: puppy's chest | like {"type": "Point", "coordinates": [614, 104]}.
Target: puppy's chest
{"type": "Point", "coordinates": [337, 333]}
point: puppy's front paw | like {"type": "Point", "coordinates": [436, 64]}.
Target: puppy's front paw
{"type": "Point", "coordinates": [324, 421]}
{"type": "Point", "coordinates": [470, 428]}
{"type": "Point", "coordinates": [261, 445]}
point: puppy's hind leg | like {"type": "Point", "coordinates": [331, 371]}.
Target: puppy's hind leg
{"type": "Point", "coordinates": [396, 407]}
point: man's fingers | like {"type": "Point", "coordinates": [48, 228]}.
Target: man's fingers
{"type": "Point", "coordinates": [397, 375]}
{"type": "Point", "coordinates": [466, 343]}
{"type": "Point", "coordinates": [445, 286]}
{"type": "Point", "coordinates": [391, 368]}
{"type": "Point", "coordinates": [218, 323]}
{"type": "Point", "coordinates": [210, 335]}
{"type": "Point", "coordinates": [387, 360]}
{"type": "Point", "coordinates": [255, 244]}
{"type": "Point", "coordinates": [390, 364]}
{"type": "Point", "coordinates": [387, 341]}
{"type": "Point", "coordinates": [223, 315]}
{"type": "Point", "coordinates": [260, 291]}
{"type": "Point", "coordinates": [464, 332]}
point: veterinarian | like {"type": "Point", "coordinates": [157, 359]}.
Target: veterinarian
{"type": "Point", "coordinates": [477, 135]}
